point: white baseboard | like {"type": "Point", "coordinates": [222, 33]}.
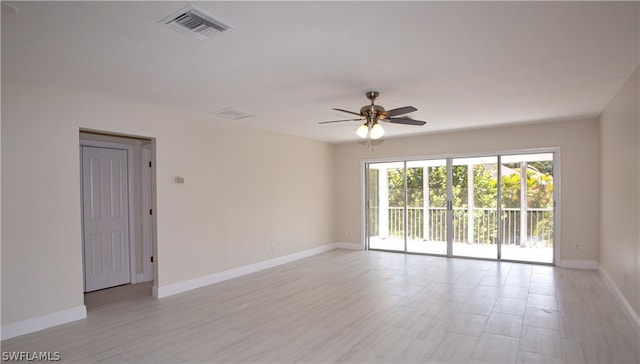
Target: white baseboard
{"type": "Point", "coordinates": [631, 314]}
{"type": "Point", "coordinates": [175, 288]}
{"type": "Point", "coordinates": [43, 322]}
{"type": "Point", "coordinates": [579, 264]}
{"type": "Point", "coordinates": [349, 246]}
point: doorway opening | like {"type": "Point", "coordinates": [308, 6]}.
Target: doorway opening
{"type": "Point", "coordinates": [498, 206]}
{"type": "Point", "coordinates": [118, 227]}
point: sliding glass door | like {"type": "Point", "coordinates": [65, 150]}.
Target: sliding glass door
{"type": "Point", "coordinates": [427, 206]}
{"type": "Point", "coordinates": [385, 206]}
{"type": "Point", "coordinates": [490, 207]}
{"type": "Point", "coordinates": [527, 207]}
{"type": "Point", "coordinates": [475, 208]}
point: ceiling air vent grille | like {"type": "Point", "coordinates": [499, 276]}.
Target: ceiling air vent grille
{"type": "Point", "coordinates": [196, 23]}
{"type": "Point", "coordinates": [233, 114]}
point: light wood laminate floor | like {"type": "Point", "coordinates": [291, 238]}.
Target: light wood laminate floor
{"type": "Point", "coordinates": [359, 306]}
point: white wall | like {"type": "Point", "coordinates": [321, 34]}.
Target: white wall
{"type": "Point", "coordinates": [619, 194]}
{"type": "Point", "coordinates": [244, 189]}
{"type": "Point", "coordinates": [578, 142]}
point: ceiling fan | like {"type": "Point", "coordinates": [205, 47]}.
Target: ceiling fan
{"type": "Point", "coordinates": [372, 114]}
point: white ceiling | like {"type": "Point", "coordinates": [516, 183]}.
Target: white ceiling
{"type": "Point", "coordinates": [461, 64]}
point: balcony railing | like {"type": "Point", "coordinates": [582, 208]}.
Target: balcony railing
{"type": "Point", "coordinates": [539, 225]}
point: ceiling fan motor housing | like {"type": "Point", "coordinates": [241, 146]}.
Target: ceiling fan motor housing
{"type": "Point", "coordinates": [375, 111]}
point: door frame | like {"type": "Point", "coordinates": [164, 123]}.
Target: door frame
{"type": "Point", "coordinates": [557, 194]}
{"type": "Point", "coordinates": [147, 187]}
{"type": "Point", "coordinates": [130, 193]}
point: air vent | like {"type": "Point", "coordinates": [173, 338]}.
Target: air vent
{"type": "Point", "coordinates": [232, 113]}
{"type": "Point", "coordinates": [196, 23]}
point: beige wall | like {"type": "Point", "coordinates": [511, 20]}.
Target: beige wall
{"type": "Point", "coordinates": [619, 194]}
{"type": "Point", "coordinates": [244, 189]}
{"type": "Point", "coordinates": [579, 167]}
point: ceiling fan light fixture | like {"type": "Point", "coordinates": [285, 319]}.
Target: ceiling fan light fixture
{"type": "Point", "coordinates": [374, 114]}
{"type": "Point", "coordinates": [377, 131]}
{"type": "Point", "coordinates": [362, 131]}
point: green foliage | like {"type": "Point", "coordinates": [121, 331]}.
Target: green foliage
{"type": "Point", "coordinates": [539, 190]}
{"type": "Point", "coordinates": [415, 196]}
{"type": "Point", "coordinates": [485, 187]}
{"type": "Point", "coordinates": [437, 186]}
{"type": "Point", "coordinates": [511, 190]}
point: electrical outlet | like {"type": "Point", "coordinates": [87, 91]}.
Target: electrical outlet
{"type": "Point", "coordinates": [577, 246]}
{"type": "Point", "coordinates": [273, 247]}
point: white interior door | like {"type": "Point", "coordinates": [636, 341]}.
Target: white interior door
{"type": "Point", "coordinates": [105, 200]}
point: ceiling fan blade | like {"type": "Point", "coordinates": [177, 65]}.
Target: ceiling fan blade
{"type": "Point", "coordinates": [405, 121]}
{"type": "Point", "coordinates": [347, 111]}
{"type": "Point", "coordinates": [337, 121]}
{"type": "Point", "coordinates": [400, 111]}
